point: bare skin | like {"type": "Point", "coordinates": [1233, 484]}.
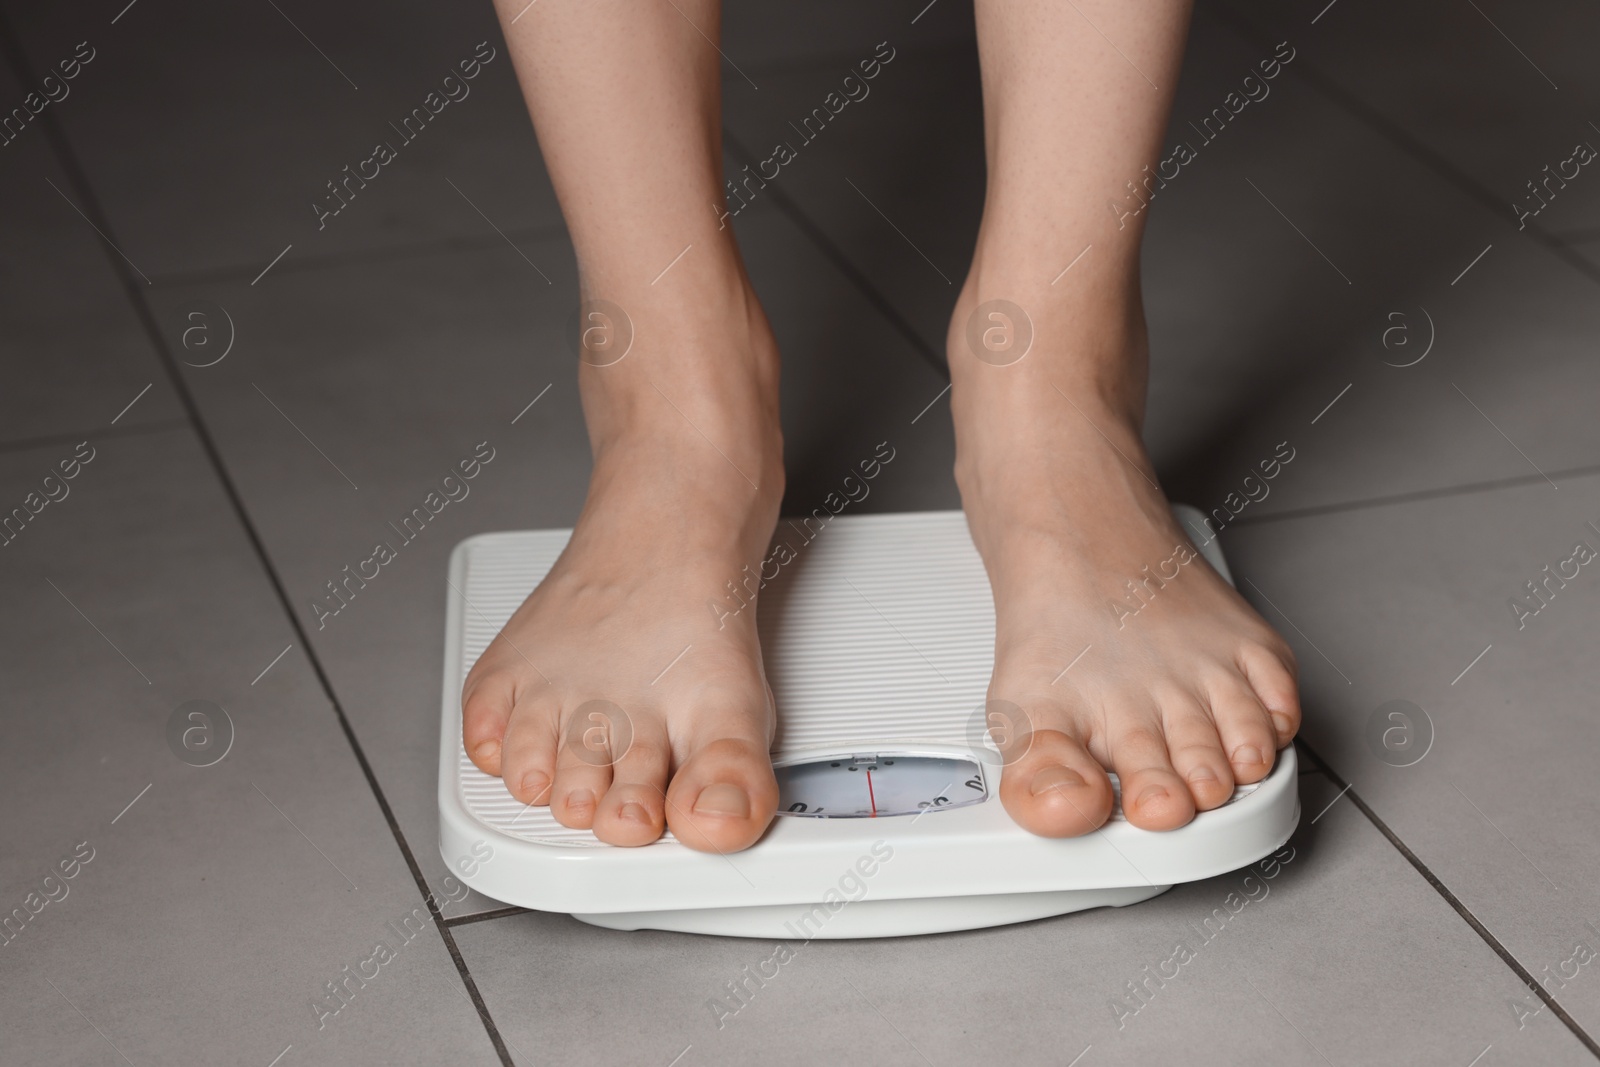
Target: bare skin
{"type": "Point", "coordinates": [688, 456]}
{"type": "Point", "coordinates": [1194, 692]}
{"type": "Point", "coordinates": [1183, 699]}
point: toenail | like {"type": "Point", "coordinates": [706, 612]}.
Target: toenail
{"type": "Point", "coordinates": [633, 811]}
{"type": "Point", "coordinates": [580, 800]}
{"type": "Point", "coordinates": [1247, 755]}
{"type": "Point", "coordinates": [721, 798]}
{"type": "Point", "coordinates": [1202, 774]}
{"type": "Point", "coordinates": [486, 751]}
{"type": "Point", "coordinates": [1151, 795]}
{"type": "Point", "coordinates": [1280, 723]}
{"type": "Point", "coordinates": [1055, 778]}
{"type": "Point", "coordinates": [534, 784]}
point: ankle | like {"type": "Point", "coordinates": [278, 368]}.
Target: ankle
{"type": "Point", "coordinates": [1045, 359]}
{"type": "Point", "coordinates": [701, 285]}
{"type": "Point", "coordinates": [696, 354]}
{"type": "Point", "coordinates": [1023, 344]}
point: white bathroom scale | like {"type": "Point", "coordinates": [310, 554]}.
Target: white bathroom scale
{"type": "Point", "coordinates": [878, 640]}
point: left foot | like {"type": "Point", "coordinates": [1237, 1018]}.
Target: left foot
{"type": "Point", "coordinates": [1181, 689]}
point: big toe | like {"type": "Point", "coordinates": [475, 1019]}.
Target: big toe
{"type": "Point", "coordinates": [723, 796]}
{"type": "Point", "coordinates": [1057, 789]}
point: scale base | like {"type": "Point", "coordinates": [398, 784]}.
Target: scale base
{"type": "Point", "coordinates": [878, 637]}
{"type": "Point", "coordinates": [874, 918]}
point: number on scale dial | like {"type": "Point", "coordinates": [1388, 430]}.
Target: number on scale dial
{"type": "Point", "coordinates": [863, 786]}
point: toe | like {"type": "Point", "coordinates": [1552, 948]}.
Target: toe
{"type": "Point", "coordinates": [1056, 789]}
{"type": "Point", "coordinates": [633, 810]}
{"type": "Point", "coordinates": [1271, 674]}
{"type": "Point", "coordinates": [1245, 729]}
{"type": "Point", "coordinates": [723, 796]}
{"type": "Point", "coordinates": [595, 736]}
{"type": "Point", "coordinates": [1154, 797]}
{"type": "Point", "coordinates": [527, 760]}
{"type": "Point", "coordinates": [1196, 753]}
{"type": "Point", "coordinates": [487, 701]}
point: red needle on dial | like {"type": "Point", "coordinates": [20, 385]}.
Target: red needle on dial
{"type": "Point", "coordinates": [870, 797]}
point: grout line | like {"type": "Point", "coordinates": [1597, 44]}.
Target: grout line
{"type": "Point", "coordinates": [132, 430]}
{"type": "Point", "coordinates": [485, 916]}
{"type": "Point", "coordinates": [76, 177]}
{"type": "Point", "coordinates": [414, 250]}
{"type": "Point", "coordinates": [830, 251]}
{"type": "Point", "coordinates": [1450, 898]}
{"type": "Point", "coordinates": [1464, 489]}
{"type": "Point", "coordinates": [1402, 139]}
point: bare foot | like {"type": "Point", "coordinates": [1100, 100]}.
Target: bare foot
{"type": "Point", "coordinates": [1176, 684]}
{"type": "Point", "coordinates": [615, 694]}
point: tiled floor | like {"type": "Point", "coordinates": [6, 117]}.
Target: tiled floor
{"type": "Point", "coordinates": [217, 902]}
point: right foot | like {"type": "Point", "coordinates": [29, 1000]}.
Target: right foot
{"type": "Point", "coordinates": [685, 492]}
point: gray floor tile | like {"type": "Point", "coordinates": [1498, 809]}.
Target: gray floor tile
{"type": "Point", "coordinates": [1589, 249]}
{"type": "Point", "coordinates": [389, 374]}
{"type": "Point", "coordinates": [378, 352]}
{"type": "Point", "coordinates": [1413, 602]}
{"type": "Point", "coordinates": [1345, 929]}
{"type": "Point", "coordinates": [907, 157]}
{"type": "Point", "coordinates": [237, 888]}
{"type": "Point", "coordinates": [1256, 329]}
{"type": "Point", "coordinates": [216, 161]}
{"type": "Point", "coordinates": [1495, 91]}
{"type": "Point", "coordinates": [76, 353]}
{"type": "Point", "coordinates": [769, 37]}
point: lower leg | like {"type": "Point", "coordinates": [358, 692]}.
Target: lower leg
{"type": "Point", "coordinates": [679, 385]}
{"type": "Point", "coordinates": [1181, 688]}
